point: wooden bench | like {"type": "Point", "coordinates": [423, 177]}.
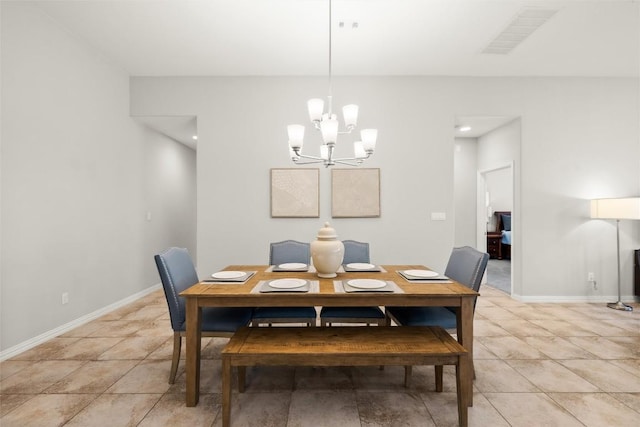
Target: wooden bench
{"type": "Point", "coordinates": [344, 346]}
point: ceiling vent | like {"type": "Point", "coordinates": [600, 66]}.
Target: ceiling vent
{"type": "Point", "coordinates": [521, 27]}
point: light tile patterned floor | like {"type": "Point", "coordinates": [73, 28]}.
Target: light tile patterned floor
{"type": "Point", "coordinates": [536, 365]}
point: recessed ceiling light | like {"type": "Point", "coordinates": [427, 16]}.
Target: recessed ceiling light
{"type": "Point", "coordinates": [463, 128]}
{"type": "Point", "coordinates": [194, 137]}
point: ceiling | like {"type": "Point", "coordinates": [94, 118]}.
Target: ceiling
{"type": "Point", "coordinates": [393, 37]}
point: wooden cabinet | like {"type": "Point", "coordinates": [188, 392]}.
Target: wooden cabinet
{"type": "Point", "coordinates": [494, 246]}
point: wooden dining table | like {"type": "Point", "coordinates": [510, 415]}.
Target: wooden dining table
{"type": "Point", "coordinates": [433, 293]}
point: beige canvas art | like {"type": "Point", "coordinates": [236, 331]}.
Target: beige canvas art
{"type": "Point", "coordinates": [355, 193]}
{"type": "Point", "coordinates": [295, 193]}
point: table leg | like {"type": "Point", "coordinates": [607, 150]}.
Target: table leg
{"type": "Point", "coordinates": [465, 338]}
{"type": "Point", "coordinates": [194, 319]}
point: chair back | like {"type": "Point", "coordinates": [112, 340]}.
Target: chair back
{"type": "Point", "coordinates": [355, 252]}
{"type": "Point", "coordinates": [289, 251]}
{"type": "Point", "coordinates": [177, 273]}
{"type": "Point", "coordinates": [467, 266]}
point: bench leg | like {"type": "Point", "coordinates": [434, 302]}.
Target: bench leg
{"type": "Point", "coordinates": [463, 417]}
{"type": "Point", "coordinates": [226, 392]}
{"type": "Point", "coordinates": [407, 375]}
{"type": "Point", "coordinates": [438, 372]}
{"type": "Point", "coordinates": [463, 374]}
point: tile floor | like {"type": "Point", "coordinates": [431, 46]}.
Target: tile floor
{"type": "Point", "coordinates": [536, 365]}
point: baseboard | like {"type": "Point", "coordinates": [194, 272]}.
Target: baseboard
{"type": "Point", "coordinates": [572, 299]}
{"type": "Point", "coordinates": [30, 343]}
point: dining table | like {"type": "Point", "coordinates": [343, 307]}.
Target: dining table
{"type": "Point", "coordinates": [443, 292]}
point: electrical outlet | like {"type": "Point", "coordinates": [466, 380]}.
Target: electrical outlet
{"type": "Point", "coordinates": [65, 298]}
{"type": "Point", "coordinates": [591, 277]}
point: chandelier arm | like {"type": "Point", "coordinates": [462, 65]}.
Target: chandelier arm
{"type": "Point", "coordinates": [304, 156]}
{"type": "Point", "coordinates": [343, 162]}
{"type": "Point", "coordinates": [349, 159]}
{"type": "Point", "coordinates": [313, 162]}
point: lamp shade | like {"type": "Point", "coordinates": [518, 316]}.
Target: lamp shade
{"type": "Point", "coordinates": [369, 137]}
{"type": "Point", "coordinates": [296, 135]}
{"type": "Point", "coordinates": [622, 208]}
{"type": "Point", "coordinates": [315, 107]}
{"type": "Point", "coordinates": [350, 114]}
{"type": "Point", "coordinates": [324, 152]}
{"type": "Point", "coordinates": [358, 150]}
{"type": "Point", "coordinates": [329, 129]}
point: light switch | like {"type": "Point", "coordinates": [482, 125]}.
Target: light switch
{"type": "Point", "coordinates": [438, 216]}
{"type": "Point", "coordinates": [149, 216]}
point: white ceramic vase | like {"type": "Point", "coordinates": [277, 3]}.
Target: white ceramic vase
{"type": "Point", "coordinates": [327, 252]}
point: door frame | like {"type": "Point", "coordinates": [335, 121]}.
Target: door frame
{"type": "Point", "coordinates": [481, 211]}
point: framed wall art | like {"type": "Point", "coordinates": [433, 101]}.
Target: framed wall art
{"type": "Point", "coordinates": [295, 193]}
{"type": "Point", "coordinates": [355, 193]}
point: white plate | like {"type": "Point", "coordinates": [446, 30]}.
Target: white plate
{"type": "Point", "coordinates": [228, 274]}
{"type": "Point", "coordinates": [292, 265]}
{"type": "Point", "coordinates": [422, 273]}
{"type": "Point", "coordinates": [367, 283]}
{"type": "Point", "coordinates": [360, 266]}
{"type": "Point", "coordinates": [287, 283]}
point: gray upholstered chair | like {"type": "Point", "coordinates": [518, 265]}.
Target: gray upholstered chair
{"type": "Point", "coordinates": [353, 252]}
{"type": "Point", "coordinates": [467, 266]}
{"type": "Point", "coordinates": [280, 253]}
{"type": "Point", "coordinates": [289, 251]}
{"type": "Point", "coordinates": [177, 273]}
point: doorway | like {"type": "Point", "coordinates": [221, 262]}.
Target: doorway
{"type": "Point", "coordinates": [485, 170]}
{"type": "Point", "coordinates": [495, 208]}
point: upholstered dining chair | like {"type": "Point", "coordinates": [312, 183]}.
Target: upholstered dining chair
{"type": "Point", "coordinates": [466, 266]}
{"type": "Point", "coordinates": [279, 253]}
{"type": "Point", "coordinates": [354, 251]}
{"type": "Point", "coordinates": [177, 273]}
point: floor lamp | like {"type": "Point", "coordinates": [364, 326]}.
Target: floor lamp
{"type": "Point", "coordinates": [624, 208]}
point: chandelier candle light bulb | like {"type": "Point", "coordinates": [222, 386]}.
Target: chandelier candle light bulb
{"type": "Point", "coordinates": [296, 136]}
{"type": "Point", "coordinates": [329, 129]}
{"type": "Point", "coordinates": [315, 107]}
{"type": "Point", "coordinates": [350, 115]}
{"type": "Point", "coordinates": [369, 137]}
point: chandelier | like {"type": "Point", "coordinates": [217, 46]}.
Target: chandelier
{"type": "Point", "coordinates": [327, 124]}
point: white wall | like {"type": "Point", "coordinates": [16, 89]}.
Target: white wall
{"type": "Point", "coordinates": [76, 172]}
{"type": "Point", "coordinates": [580, 139]}
{"type": "Point", "coordinates": [465, 184]}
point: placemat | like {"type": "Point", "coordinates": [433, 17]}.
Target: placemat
{"type": "Point", "coordinates": [375, 269]}
{"type": "Point", "coordinates": [241, 279]}
{"type": "Point", "coordinates": [340, 288]}
{"type": "Point", "coordinates": [414, 279]}
{"type": "Point", "coordinates": [312, 286]}
{"type": "Point", "coordinates": [273, 269]}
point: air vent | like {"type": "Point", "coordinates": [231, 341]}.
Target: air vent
{"type": "Point", "coordinates": [521, 27]}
